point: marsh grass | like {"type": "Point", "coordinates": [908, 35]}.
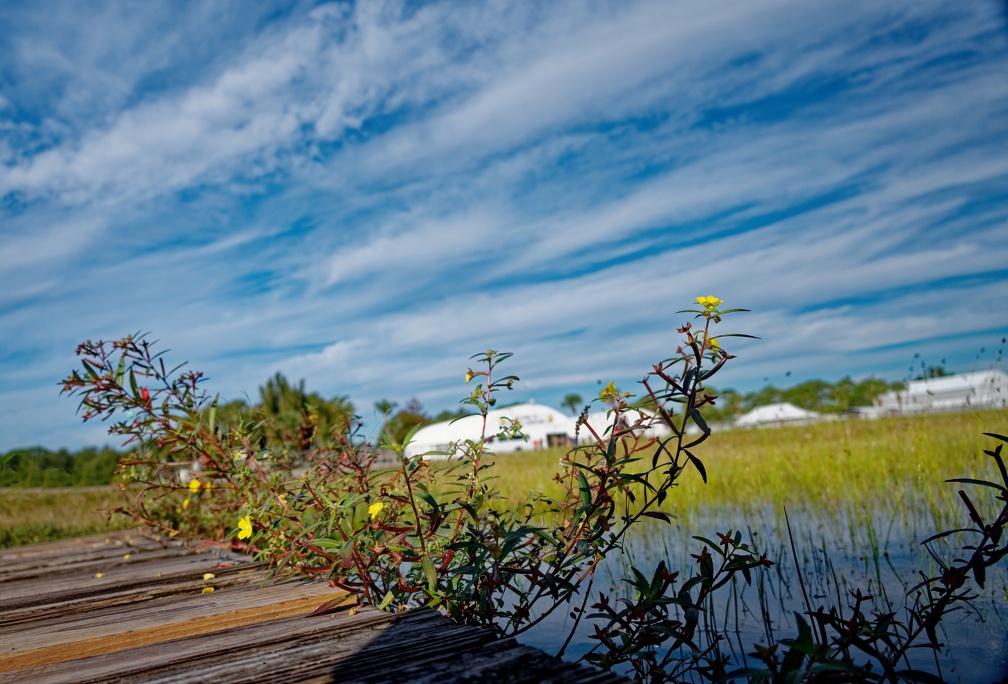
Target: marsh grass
{"type": "Point", "coordinates": [888, 471]}
{"type": "Point", "coordinates": [29, 516]}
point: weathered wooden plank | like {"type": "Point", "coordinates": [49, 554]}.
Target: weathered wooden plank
{"type": "Point", "coordinates": [196, 654]}
{"type": "Point", "coordinates": [41, 596]}
{"type": "Point", "coordinates": [134, 625]}
{"type": "Point", "coordinates": [120, 627]}
{"type": "Point", "coordinates": [76, 545]}
{"type": "Point", "coordinates": [371, 646]}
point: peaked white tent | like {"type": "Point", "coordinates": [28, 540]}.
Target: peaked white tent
{"type": "Point", "coordinates": [543, 425]}
{"type": "Point", "coordinates": [775, 415]}
{"type": "Point", "coordinates": [981, 389]}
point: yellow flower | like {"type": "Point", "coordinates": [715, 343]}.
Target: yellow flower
{"type": "Point", "coordinates": [194, 485]}
{"type": "Point", "coordinates": [714, 346]}
{"type": "Point", "coordinates": [469, 376]}
{"type": "Point", "coordinates": [375, 508]}
{"type": "Point", "coordinates": [185, 503]}
{"type": "Point", "coordinates": [709, 302]}
{"type": "Point", "coordinates": [208, 575]}
{"type": "Point", "coordinates": [126, 556]}
{"type": "Point", "coordinates": [99, 575]}
{"type": "Point", "coordinates": [207, 590]}
{"type": "Point", "coordinates": [609, 393]}
{"type": "Point", "coordinates": [245, 528]}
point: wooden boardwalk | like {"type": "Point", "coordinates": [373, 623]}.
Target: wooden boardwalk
{"type": "Point", "coordinates": [124, 607]}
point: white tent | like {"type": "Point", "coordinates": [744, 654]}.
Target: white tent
{"type": "Point", "coordinates": [950, 393]}
{"type": "Point", "coordinates": [601, 422]}
{"type": "Point", "coordinates": [776, 415]}
{"type": "Point", "coordinates": [544, 426]}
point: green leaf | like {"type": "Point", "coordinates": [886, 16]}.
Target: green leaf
{"type": "Point", "coordinates": [409, 435]}
{"type": "Point", "coordinates": [387, 601]}
{"type": "Point", "coordinates": [212, 420]}
{"type": "Point", "coordinates": [429, 572]}
{"type": "Point", "coordinates": [700, 422]}
{"type": "Point", "coordinates": [431, 501]}
{"type": "Point", "coordinates": [698, 465]}
{"type": "Point", "coordinates": [6, 457]}
{"type": "Point", "coordinates": [800, 647]}
{"type": "Point", "coordinates": [584, 488]}
{"type": "Point", "coordinates": [981, 483]}
{"type": "Point", "coordinates": [714, 545]}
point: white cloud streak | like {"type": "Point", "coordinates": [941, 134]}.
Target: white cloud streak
{"type": "Point", "coordinates": [365, 197]}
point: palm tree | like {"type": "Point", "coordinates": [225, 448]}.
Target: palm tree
{"type": "Point", "coordinates": [573, 402]}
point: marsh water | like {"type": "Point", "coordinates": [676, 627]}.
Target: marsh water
{"type": "Point", "coordinates": [835, 553]}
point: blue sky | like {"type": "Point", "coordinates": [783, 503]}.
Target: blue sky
{"type": "Point", "coordinates": [366, 195]}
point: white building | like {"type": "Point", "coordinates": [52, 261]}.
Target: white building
{"type": "Point", "coordinates": [543, 426]}
{"type": "Point", "coordinates": [981, 389]}
{"type": "Point", "coordinates": [776, 415]}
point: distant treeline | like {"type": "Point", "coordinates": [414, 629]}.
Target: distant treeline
{"type": "Point", "coordinates": [814, 395]}
{"type": "Point", "coordinates": [38, 467]}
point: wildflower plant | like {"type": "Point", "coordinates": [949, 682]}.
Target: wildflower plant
{"type": "Point", "coordinates": [436, 533]}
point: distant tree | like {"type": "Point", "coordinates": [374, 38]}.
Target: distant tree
{"type": "Point", "coordinates": [842, 394]}
{"type": "Point", "coordinates": [763, 397]}
{"type": "Point", "coordinates": [727, 405]}
{"type": "Point", "coordinates": [868, 390]}
{"type": "Point", "coordinates": [446, 415]}
{"type": "Point", "coordinates": [411, 415]}
{"type": "Point", "coordinates": [932, 372]}
{"type": "Point", "coordinates": [573, 402]}
{"type": "Point", "coordinates": [38, 467]}
{"type": "Point", "coordinates": [296, 418]}
{"type": "Point", "coordinates": [385, 407]}
{"type": "Point", "coordinates": [812, 395]}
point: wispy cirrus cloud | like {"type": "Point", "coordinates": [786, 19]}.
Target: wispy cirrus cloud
{"type": "Point", "coordinates": [366, 195]}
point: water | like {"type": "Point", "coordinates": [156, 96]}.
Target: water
{"type": "Point", "coordinates": [878, 554]}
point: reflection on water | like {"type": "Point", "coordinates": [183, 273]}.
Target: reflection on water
{"type": "Point", "coordinates": [835, 555]}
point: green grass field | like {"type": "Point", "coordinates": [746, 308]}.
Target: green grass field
{"type": "Point", "coordinates": [888, 467]}
{"type": "Point", "coordinates": [28, 516]}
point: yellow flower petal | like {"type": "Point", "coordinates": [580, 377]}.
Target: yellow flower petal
{"type": "Point", "coordinates": [207, 590]}
{"type": "Point", "coordinates": [375, 508]}
{"type": "Point", "coordinates": [245, 528]}
{"type": "Point", "coordinates": [185, 503]}
{"type": "Point", "coordinates": [126, 556]}
{"type": "Point", "coordinates": [208, 575]}
{"type": "Point", "coordinates": [194, 485]}
{"type": "Point", "coordinates": [99, 575]}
